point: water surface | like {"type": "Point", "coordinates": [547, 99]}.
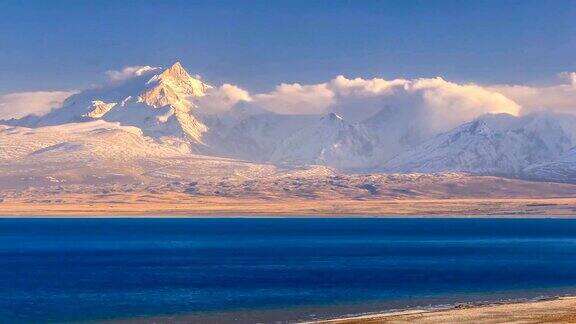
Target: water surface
{"type": "Point", "coordinates": [104, 269]}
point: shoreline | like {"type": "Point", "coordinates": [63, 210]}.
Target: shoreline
{"type": "Point", "coordinates": [536, 310]}
{"type": "Point", "coordinates": [561, 308]}
{"type": "Point", "coordinates": [282, 216]}
{"type": "Point", "coordinates": [174, 205]}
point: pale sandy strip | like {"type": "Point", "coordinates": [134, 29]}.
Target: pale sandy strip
{"type": "Point", "coordinates": [560, 310]}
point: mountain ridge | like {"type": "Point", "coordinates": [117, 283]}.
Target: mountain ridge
{"type": "Point", "coordinates": [162, 104]}
{"type": "Point", "coordinates": [492, 144]}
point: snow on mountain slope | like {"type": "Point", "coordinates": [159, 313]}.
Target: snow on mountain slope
{"type": "Point", "coordinates": [158, 104]}
{"type": "Point", "coordinates": [19, 142]}
{"type": "Point", "coordinates": [330, 141]}
{"type": "Point", "coordinates": [395, 131]}
{"type": "Point", "coordinates": [99, 152]}
{"type": "Point", "coordinates": [561, 170]}
{"type": "Point", "coordinates": [99, 109]}
{"type": "Point", "coordinates": [162, 106]}
{"type": "Point", "coordinates": [494, 144]}
{"type": "Point", "coordinates": [172, 86]}
{"type": "Point", "coordinates": [251, 137]}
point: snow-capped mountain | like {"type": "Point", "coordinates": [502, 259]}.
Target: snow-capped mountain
{"type": "Point", "coordinates": [163, 106]}
{"type": "Point", "coordinates": [493, 144]}
{"type": "Point", "coordinates": [330, 141]}
{"type": "Point", "coordinates": [562, 169]}
{"type": "Point", "coordinates": [100, 153]}
{"type": "Point", "coordinates": [159, 104]}
{"type": "Point", "coordinates": [252, 136]}
{"type": "Point", "coordinates": [394, 131]}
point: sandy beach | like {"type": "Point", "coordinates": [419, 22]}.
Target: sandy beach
{"type": "Point", "coordinates": [177, 206]}
{"type": "Point", "coordinates": [560, 310]}
{"type": "Point", "coordinates": [552, 310]}
{"type": "Point", "coordinates": [183, 205]}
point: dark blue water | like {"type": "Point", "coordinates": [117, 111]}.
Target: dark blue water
{"type": "Point", "coordinates": [98, 269]}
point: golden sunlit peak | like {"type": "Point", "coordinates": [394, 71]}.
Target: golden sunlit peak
{"type": "Point", "coordinates": [176, 70]}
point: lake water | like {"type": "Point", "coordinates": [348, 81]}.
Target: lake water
{"type": "Point", "coordinates": [243, 270]}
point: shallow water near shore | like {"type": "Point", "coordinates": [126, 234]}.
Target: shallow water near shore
{"type": "Point", "coordinates": [246, 269]}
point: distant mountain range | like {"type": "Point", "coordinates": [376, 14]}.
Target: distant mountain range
{"type": "Point", "coordinates": [154, 122]}
{"type": "Point", "coordinates": [493, 144]}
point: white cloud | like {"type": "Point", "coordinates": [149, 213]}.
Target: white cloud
{"type": "Point", "coordinates": [557, 98]}
{"type": "Point", "coordinates": [359, 87]}
{"type": "Point", "coordinates": [129, 72]}
{"type": "Point", "coordinates": [441, 103]}
{"type": "Point", "coordinates": [446, 104]}
{"type": "Point", "coordinates": [414, 109]}
{"type": "Point", "coordinates": [438, 103]}
{"type": "Point", "coordinates": [20, 104]}
{"type": "Point", "coordinates": [434, 102]}
{"type": "Point", "coordinates": [570, 77]}
{"type": "Point", "coordinates": [220, 99]}
{"type": "Point", "coordinates": [297, 99]}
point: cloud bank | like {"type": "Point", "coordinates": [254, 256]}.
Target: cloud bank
{"type": "Point", "coordinates": [20, 104]}
{"type": "Point", "coordinates": [557, 98]}
{"type": "Point", "coordinates": [437, 103]}
{"type": "Point", "coordinates": [297, 99]}
{"type": "Point", "coordinates": [129, 72]}
{"type": "Point", "coordinates": [441, 103]}
{"type": "Point", "coordinates": [223, 98]}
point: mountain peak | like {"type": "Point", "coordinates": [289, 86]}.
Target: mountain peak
{"type": "Point", "coordinates": [174, 85]}
{"type": "Point", "coordinates": [177, 65]}
{"type": "Point", "coordinates": [174, 74]}
{"type": "Point", "coordinates": [175, 71]}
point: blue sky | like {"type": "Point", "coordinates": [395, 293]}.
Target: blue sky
{"type": "Point", "coordinates": [54, 45]}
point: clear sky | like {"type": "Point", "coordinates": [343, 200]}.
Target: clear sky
{"type": "Point", "coordinates": [53, 45]}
